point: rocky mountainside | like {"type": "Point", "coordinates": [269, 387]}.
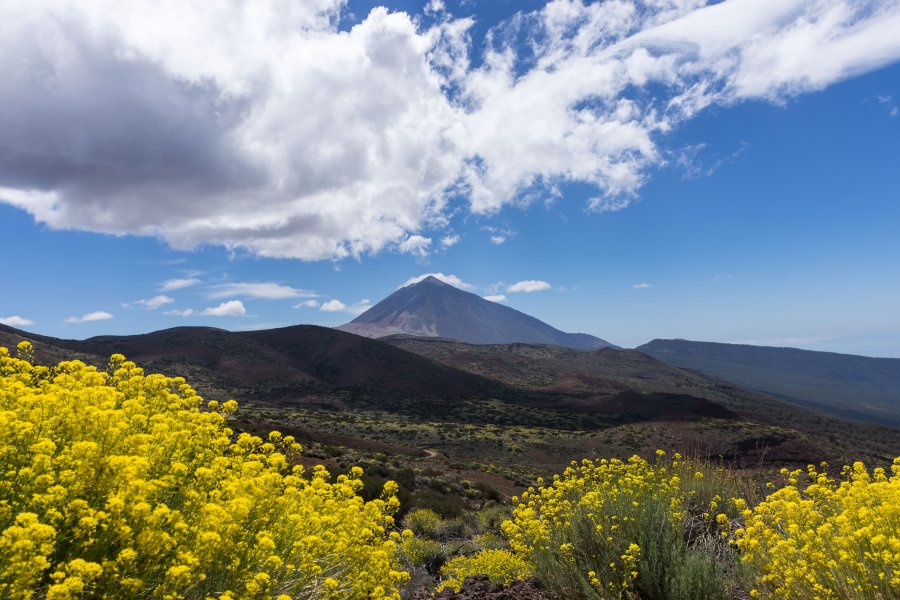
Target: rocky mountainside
{"type": "Point", "coordinates": [432, 308]}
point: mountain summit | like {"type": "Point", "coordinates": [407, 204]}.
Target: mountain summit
{"type": "Point", "coordinates": [433, 308]}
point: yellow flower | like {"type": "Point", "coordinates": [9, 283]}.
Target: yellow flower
{"type": "Point", "coordinates": [122, 484]}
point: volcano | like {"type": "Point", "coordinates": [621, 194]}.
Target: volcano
{"type": "Point", "coordinates": [433, 308]}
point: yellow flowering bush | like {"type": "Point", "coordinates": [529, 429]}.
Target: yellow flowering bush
{"type": "Point", "coordinates": [818, 537]}
{"type": "Point", "coordinates": [124, 485]}
{"type": "Point", "coordinates": [614, 529]}
{"type": "Point", "coordinates": [501, 566]}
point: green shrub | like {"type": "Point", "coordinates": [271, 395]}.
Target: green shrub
{"type": "Point", "coordinates": [422, 521]}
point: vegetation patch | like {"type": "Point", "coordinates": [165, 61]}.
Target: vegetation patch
{"type": "Point", "coordinates": [124, 485]}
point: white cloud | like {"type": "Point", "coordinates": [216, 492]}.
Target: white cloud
{"type": "Point", "coordinates": [529, 285]}
{"type": "Point", "coordinates": [268, 291]}
{"type": "Point", "coordinates": [177, 284]}
{"type": "Point", "coordinates": [307, 304]}
{"type": "Point", "coordinates": [435, 7]}
{"type": "Point", "coordinates": [99, 315]}
{"type": "Point", "coordinates": [449, 241]}
{"type": "Point", "coordinates": [642, 286]}
{"type": "Point", "coordinates": [231, 308]}
{"type": "Point", "coordinates": [333, 306]}
{"type": "Point", "coordinates": [16, 321]}
{"type": "Point", "coordinates": [888, 102]}
{"type": "Point", "coordinates": [151, 303]}
{"type": "Point", "coordinates": [234, 123]}
{"type": "Point", "coordinates": [416, 245]}
{"type": "Point", "coordinates": [499, 236]}
{"type": "Point", "coordinates": [495, 298]}
{"type": "Point", "coordinates": [230, 123]}
{"type": "Point", "coordinates": [608, 204]}
{"type": "Point", "coordinates": [694, 165]}
{"type": "Point", "coordinates": [360, 307]}
{"type": "Point", "coordinates": [338, 306]}
{"type": "Point", "coordinates": [451, 279]}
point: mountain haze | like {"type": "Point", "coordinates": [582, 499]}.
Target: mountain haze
{"type": "Point", "coordinates": [856, 387]}
{"type": "Point", "coordinates": [433, 308]}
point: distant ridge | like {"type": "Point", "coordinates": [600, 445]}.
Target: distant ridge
{"type": "Point", "coordinates": [327, 372]}
{"type": "Point", "coordinates": [433, 308]}
{"type": "Point", "coordinates": [845, 385]}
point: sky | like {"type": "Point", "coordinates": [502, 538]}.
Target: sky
{"type": "Point", "coordinates": [724, 171]}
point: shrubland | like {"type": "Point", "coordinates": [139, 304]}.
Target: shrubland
{"type": "Point", "coordinates": [116, 483]}
{"type": "Point", "coordinates": [124, 485]}
{"type": "Point", "coordinates": [681, 529]}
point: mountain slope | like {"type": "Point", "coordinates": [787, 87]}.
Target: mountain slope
{"type": "Point", "coordinates": [432, 308]}
{"type": "Point", "coordinates": [517, 403]}
{"type": "Point", "coordinates": [856, 387]}
{"type": "Point", "coordinates": [597, 380]}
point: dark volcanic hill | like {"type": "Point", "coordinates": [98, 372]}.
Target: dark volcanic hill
{"type": "Point", "coordinates": [856, 387]}
{"type": "Point", "coordinates": [272, 364]}
{"type": "Point", "coordinates": [438, 393]}
{"type": "Point", "coordinates": [432, 308]}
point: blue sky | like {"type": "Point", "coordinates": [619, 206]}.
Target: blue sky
{"type": "Point", "coordinates": [654, 172]}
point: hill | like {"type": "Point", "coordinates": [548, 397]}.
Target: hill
{"type": "Point", "coordinates": [526, 409]}
{"type": "Point", "coordinates": [598, 377]}
{"type": "Point", "coordinates": [854, 387]}
{"type": "Point", "coordinates": [432, 308]}
{"type": "Point", "coordinates": [276, 365]}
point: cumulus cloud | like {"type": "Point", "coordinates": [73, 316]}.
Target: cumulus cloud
{"type": "Point", "coordinates": [308, 304]}
{"type": "Point", "coordinates": [231, 308]}
{"type": "Point", "coordinates": [338, 306]}
{"type": "Point", "coordinates": [281, 135]}
{"type": "Point", "coordinates": [99, 315]}
{"type": "Point", "coordinates": [16, 321]}
{"type": "Point", "coordinates": [267, 291]}
{"type": "Point", "coordinates": [495, 298]}
{"type": "Point", "coordinates": [333, 306]}
{"type": "Point", "coordinates": [151, 303]}
{"type": "Point", "coordinates": [528, 286]}
{"type": "Point", "coordinates": [451, 279]}
{"type": "Point", "coordinates": [416, 245]}
{"type": "Point", "coordinates": [449, 241]}
{"type": "Point", "coordinates": [177, 284]}
{"type": "Point", "coordinates": [642, 286]}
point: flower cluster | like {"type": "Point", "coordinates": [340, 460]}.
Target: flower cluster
{"type": "Point", "coordinates": [125, 485]}
{"type": "Point", "coordinates": [614, 529]}
{"type": "Point", "coordinates": [818, 537]}
{"type": "Point", "coordinates": [501, 566]}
